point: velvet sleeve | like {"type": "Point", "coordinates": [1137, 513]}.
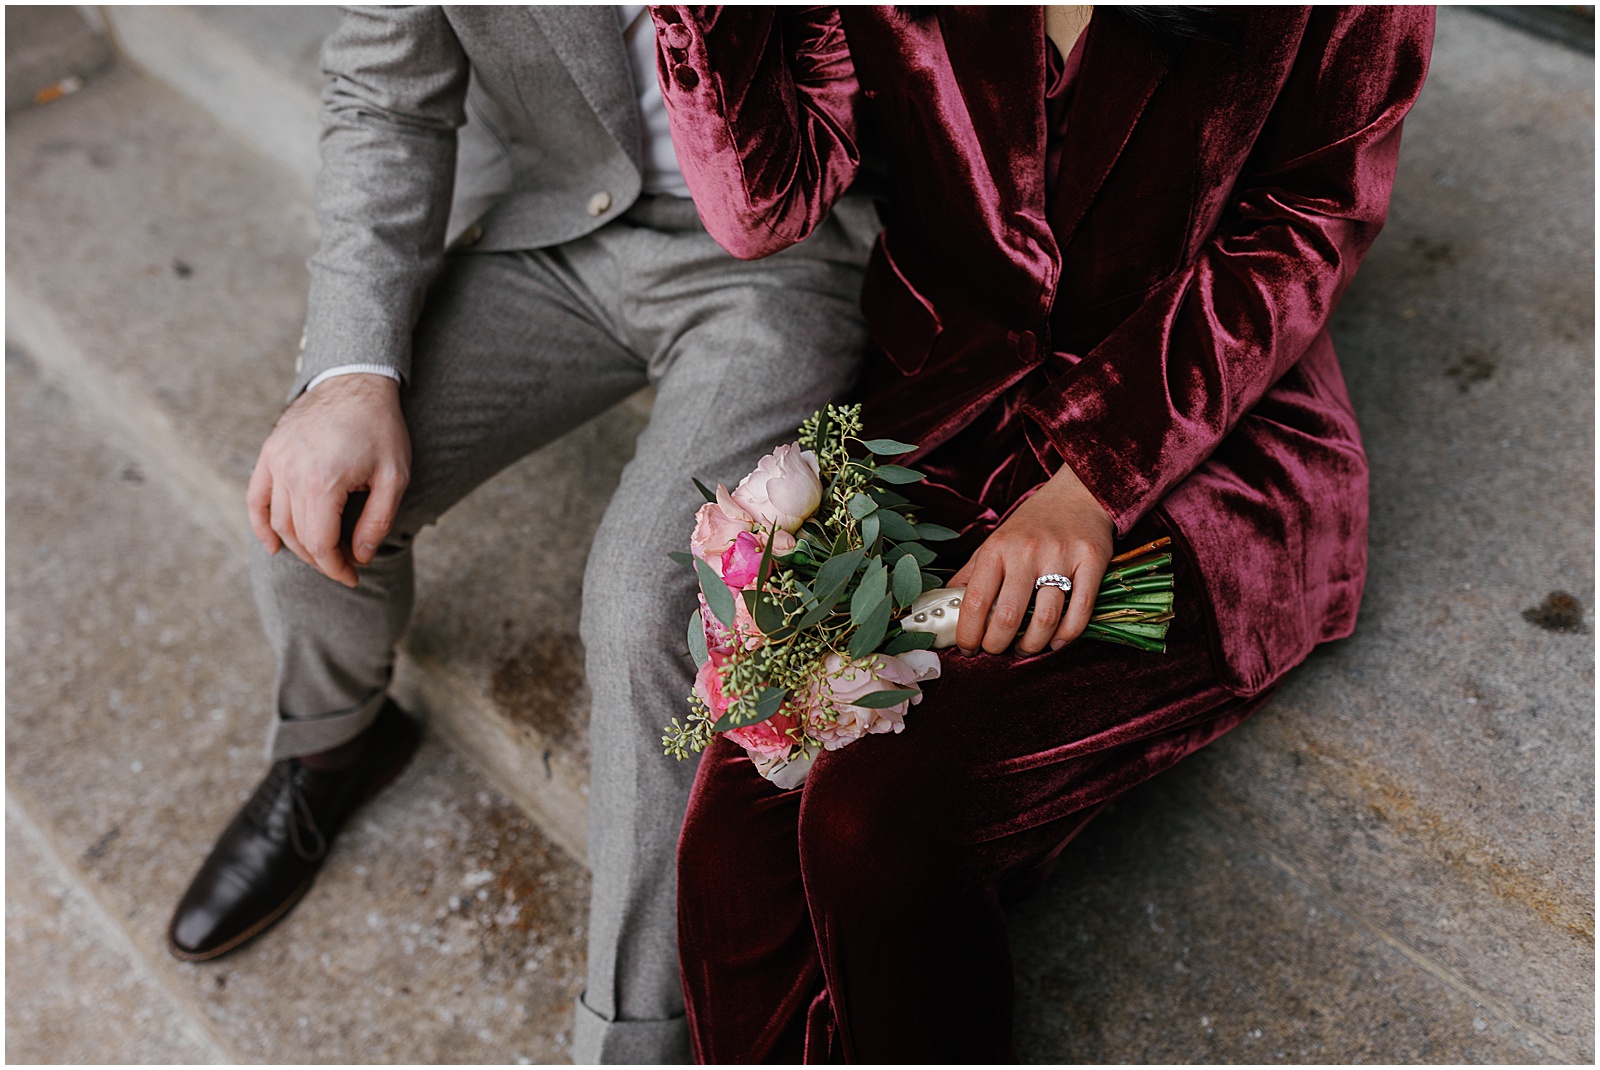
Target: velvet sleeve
{"type": "Point", "coordinates": [762, 105]}
{"type": "Point", "coordinates": [1149, 404]}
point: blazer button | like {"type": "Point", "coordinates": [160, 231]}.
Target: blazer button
{"type": "Point", "coordinates": [600, 203]}
{"type": "Point", "coordinates": [685, 76]}
{"type": "Point", "coordinates": [676, 35]}
{"type": "Point", "coordinates": [470, 237]}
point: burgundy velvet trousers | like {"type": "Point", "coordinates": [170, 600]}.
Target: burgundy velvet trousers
{"type": "Point", "coordinates": [859, 918]}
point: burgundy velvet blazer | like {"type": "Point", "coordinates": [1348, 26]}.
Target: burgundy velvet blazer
{"type": "Point", "coordinates": [1218, 199]}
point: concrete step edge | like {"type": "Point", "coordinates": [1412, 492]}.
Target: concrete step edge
{"type": "Point", "coordinates": [514, 760]}
{"type": "Point", "coordinates": [160, 971]}
{"type": "Point", "coordinates": [224, 76]}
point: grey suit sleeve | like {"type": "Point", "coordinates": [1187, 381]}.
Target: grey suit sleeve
{"type": "Point", "coordinates": [394, 98]}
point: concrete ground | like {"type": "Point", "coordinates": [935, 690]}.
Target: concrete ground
{"type": "Point", "coordinates": [1392, 862]}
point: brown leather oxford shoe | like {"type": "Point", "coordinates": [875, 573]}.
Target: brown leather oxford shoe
{"type": "Point", "coordinates": [269, 855]}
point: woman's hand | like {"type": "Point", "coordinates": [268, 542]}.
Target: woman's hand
{"type": "Point", "coordinates": [1062, 529]}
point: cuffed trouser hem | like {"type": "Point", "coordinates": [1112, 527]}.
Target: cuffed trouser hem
{"type": "Point", "coordinates": [291, 739]}
{"type": "Point", "coordinates": [597, 1039]}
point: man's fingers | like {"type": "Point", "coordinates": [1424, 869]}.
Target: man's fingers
{"type": "Point", "coordinates": [377, 516]}
{"type": "Point", "coordinates": [1009, 608]}
{"type": "Point", "coordinates": [258, 503]}
{"type": "Point", "coordinates": [318, 525]}
{"type": "Point", "coordinates": [1048, 604]}
{"type": "Point", "coordinates": [283, 522]}
{"type": "Point", "coordinates": [1085, 586]}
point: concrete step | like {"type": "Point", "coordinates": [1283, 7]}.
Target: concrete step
{"type": "Point", "coordinates": [446, 926]}
{"type": "Point", "coordinates": [1413, 812]}
{"type": "Point", "coordinates": [255, 69]}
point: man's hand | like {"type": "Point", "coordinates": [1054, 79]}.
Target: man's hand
{"type": "Point", "coordinates": [1061, 529]}
{"type": "Point", "coordinates": [347, 435]}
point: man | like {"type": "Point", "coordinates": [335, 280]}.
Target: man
{"type": "Point", "coordinates": [585, 276]}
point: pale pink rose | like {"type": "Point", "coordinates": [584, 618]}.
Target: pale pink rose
{"type": "Point", "coordinates": [785, 488]}
{"type": "Point", "coordinates": [716, 526]}
{"type": "Point", "coordinates": [844, 681]}
{"type": "Point", "coordinates": [741, 562]}
{"type": "Point", "coordinates": [768, 738]}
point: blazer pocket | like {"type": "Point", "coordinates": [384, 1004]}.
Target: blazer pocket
{"type": "Point", "coordinates": [899, 318]}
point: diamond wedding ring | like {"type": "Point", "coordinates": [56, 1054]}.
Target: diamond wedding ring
{"type": "Point", "coordinates": [1053, 579]}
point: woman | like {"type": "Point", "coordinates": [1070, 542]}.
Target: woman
{"type": "Point", "coordinates": [1099, 303]}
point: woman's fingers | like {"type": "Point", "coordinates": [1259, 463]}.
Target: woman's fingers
{"type": "Point", "coordinates": [1049, 603]}
{"type": "Point", "coordinates": [1010, 606]}
{"type": "Point", "coordinates": [982, 576]}
{"type": "Point", "coordinates": [1085, 586]}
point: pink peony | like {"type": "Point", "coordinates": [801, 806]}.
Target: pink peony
{"type": "Point", "coordinates": [716, 526]}
{"type": "Point", "coordinates": [785, 488]}
{"type": "Point", "coordinates": [845, 681]}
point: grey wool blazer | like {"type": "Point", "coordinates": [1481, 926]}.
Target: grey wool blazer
{"type": "Point", "coordinates": [518, 117]}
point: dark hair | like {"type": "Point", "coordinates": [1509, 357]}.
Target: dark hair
{"type": "Point", "coordinates": [1169, 26]}
{"type": "Point", "coordinates": [1172, 25]}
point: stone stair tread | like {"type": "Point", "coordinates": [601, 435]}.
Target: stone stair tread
{"type": "Point", "coordinates": [446, 926]}
{"type": "Point", "coordinates": [1163, 939]}
{"type": "Point", "coordinates": [75, 995]}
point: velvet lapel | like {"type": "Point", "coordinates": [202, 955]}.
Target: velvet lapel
{"type": "Point", "coordinates": [589, 42]}
{"type": "Point", "coordinates": [997, 60]}
{"type": "Point", "coordinates": [1121, 70]}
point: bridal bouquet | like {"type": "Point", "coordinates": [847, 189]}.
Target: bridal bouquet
{"type": "Point", "coordinates": [802, 568]}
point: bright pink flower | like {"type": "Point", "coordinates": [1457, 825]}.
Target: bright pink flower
{"type": "Point", "coordinates": [785, 488]}
{"type": "Point", "coordinates": [741, 561]}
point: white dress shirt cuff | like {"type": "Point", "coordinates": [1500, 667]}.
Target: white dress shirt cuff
{"type": "Point", "coordinates": [355, 369]}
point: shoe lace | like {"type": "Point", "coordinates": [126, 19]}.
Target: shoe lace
{"type": "Point", "coordinates": [290, 776]}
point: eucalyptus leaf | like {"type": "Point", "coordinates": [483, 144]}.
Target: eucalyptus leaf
{"type": "Point", "coordinates": [767, 704]}
{"type": "Point", "coordinates": [874, 585]}
{"type": "Point", "coordinates": [683, 559]}
{"type": "Point", "coordinates": [768, 615]}
{"type": "Point", "coordinates": [872, 629]}
{"type": "Point", "coordinates": [861, 505]}
{"type": "Point", "coordinates": [893, 473]}
{"type": "Point", "coordinates": [709, 494]}
{"type": "Point", "coordinates": [878, 700]}
{"type": "Point", "coordinates": [697, 640]}
{"type": "Point", "coordinates": [930, 582]}
{"type": "Point", "coordinates": [896, 526]}
{"type": "Point", "coordinates": [887, 498]}
{"type": "Point", "coordinates": [718, 597]}
{"type": "Point", "coordinates": [887, 447]}
{"type": "Point", "coordinates": [907, 580]}
{"type": "Point", "coordinates": [909, 641]}
{"type": "Point", "coordinates": [935, 533]}
{"type": "Point", "coordinates": [838, 570]}
{"type": "Point", "coordinates": [870, 528]}
{"type": "Point", "coordinates": [924, 556]}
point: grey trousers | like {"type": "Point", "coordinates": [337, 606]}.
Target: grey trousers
{"type": "Point", "coordinates": [514, 349]}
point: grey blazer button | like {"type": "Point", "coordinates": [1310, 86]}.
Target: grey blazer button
{"type": "Point", "coordinates": [600, 203]}
{"type": "Point", "coordinates": [686, 76]}
{"type": "Point", "coordinates": [470, 237]}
